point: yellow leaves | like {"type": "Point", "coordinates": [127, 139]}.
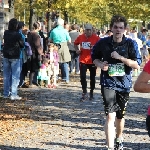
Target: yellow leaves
{"type": "Point", "coordinates": [67, 5]}
{"type": "Point", "coordinates": [86, 10]}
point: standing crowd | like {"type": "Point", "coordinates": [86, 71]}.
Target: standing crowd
{"type": "Point", "coordinates": [67, 50]}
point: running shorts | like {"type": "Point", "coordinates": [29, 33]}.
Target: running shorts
{"type": "Point", "coordinates": [114, 101]}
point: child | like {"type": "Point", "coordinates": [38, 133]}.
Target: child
{"type": "Point", "coordinates": [53, 57]}
{"type": "Point", "coordinates": [43, 73]}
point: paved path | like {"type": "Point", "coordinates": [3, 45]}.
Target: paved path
{"type": "Point", "coordinates": [56, 120]}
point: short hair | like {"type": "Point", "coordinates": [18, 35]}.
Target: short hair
{"type": "Point", "coordinates": [74, 27]}
{"type": "Point", "coordinates": [108, 31]}
{"type": "Point", "coordinates": [36, 25]}
{"type": "Point", "coordinates": [45, 60]}
{"type": "Point", "coordinates": [13, 24]}
{"type": "Point", "coordinates": [144, 30]}
{"type": "Point", "coordinates": [20, 25]}
{"type": "Point", "coordinates": [118, 18]}
{"type": "Point", "coordinates": [50, 44]}
{"type": "Point", "coordinates": [60, 21]}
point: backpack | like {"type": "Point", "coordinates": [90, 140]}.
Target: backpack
{"type": "Point", "coordinates": [28, 49]}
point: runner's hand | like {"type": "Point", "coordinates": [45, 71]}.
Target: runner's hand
{"type": "Point", "coordinates": [115, 55]}
{"type": "Point", "coordinates": [104, 66]}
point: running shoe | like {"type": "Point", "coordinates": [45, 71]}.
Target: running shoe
{"type": "Point", "coordinates": [119, 144]}
{"type": "Point", "coordinates": [91, 95]}
{"type": "Point", "coordinates": [84, 97]}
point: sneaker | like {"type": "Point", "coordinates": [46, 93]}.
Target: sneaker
{"type": "Point", "coordinates": [32, 86]}
{"type": "Point", "coordinates": [15, 97]}
{"type": "Point", "coordinates": [119, 145]}
{"type": "Point", "coordinates": [5, 97]}
{"type": "Point", "coordinates": [23, 86]}
{"type": "Point", "coordinates": [84, 97]}
{"type": "Point", "coordinates": [67, 82]}
{"type": "Point", "coordinates": [78, 72]}
{"type": "Point", "coordinates": [91, 95]}
{"type": "Point", "coordinates": [72, 73]}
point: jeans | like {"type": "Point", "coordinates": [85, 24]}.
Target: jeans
{"type": "Point", "coordinates": [74, 61]}
{"type": "Point", "coordinates": [35, 81]}
{"type": "Point", "coordinates": [83, 69]}
{"type": "Point", "coordinates": [64, 71]}
{"type": "Point", "coordinates": [22, 76]}
{"type": "Point", "coordinates": [11, 76]}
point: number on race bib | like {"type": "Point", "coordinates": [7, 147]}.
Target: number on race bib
{"type": "Point", "coordinates": [116, 69]}
{"type": "Point", "coordinates": [86, 45]}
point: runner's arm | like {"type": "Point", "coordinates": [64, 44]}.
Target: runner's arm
{"type": "Point", "coordinates": [131, 63]}
{"type": "Point", "coordinates": [141, 85]}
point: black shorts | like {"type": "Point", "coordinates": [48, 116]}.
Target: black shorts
{"type": "Point", "coordinates": [114, 101]}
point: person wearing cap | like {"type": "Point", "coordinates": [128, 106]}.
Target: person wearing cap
{"type": "Point", "coordinates": [86, 42]}
{"type": "Point", "coordinates": [61, 36]}
{"type": "Point", "coordinates": [116, 56]}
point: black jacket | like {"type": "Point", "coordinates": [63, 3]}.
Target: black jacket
{"type": "Point", "coordinates": [128, 48]}
{"type": "Point", "coordinates": [13, 42]}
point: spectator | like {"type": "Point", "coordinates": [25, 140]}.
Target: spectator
{"type": "Point", "coordinates": [22, 53]}
{"type": "Point", "coordinates": [13, 42]}
{"type": "Point", "coordinates": [86, 42]}
{"type": "Point", "coordinates": [74, 63]}
{"type": "Point", "coordinates": [60, 36]}
{"type": "Point", "coordinates": [37, 52]}
{"type": "Point", "coordinates": [43, 38]}
{"type": "Point", "coordinates": [67, 27]}
{"type": "Point", "coordinates": [102, 34]}
{"type": "Point", "coordinates": [108, 33]}
{"type": "Point", "coordinates": [133, 34]}
{"type": "Point", "coordinates": [53, 68]}
{"type": "Point", "coordinates": [148, 44]}
{"type": "Point", "coordinates": [144, 51]}
{"type": "Point", "coordinates": [42, 73]}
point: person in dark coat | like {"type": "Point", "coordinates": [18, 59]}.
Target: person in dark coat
{"type": "Point", "coordinates": [13, 43]}
{"type": "Point", "coordinates": [34, 40]}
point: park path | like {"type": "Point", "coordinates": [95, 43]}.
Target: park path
{"type": "Point", "coordinates": [55, 119]}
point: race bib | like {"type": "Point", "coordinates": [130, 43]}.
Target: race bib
{"type": "Point", "coordinates": [86, 45]}
{"type": "Point", "coordinates": [116, 69]}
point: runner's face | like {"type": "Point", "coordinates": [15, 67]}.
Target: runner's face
{"type": "Point", "coordinates": [88, 32]}
{"type": "Point", "coordinates": [118, 29]}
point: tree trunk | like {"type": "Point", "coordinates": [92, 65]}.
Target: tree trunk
{"type": "Point", "coordinates": [11, 9]}
{"type": "Point", "coordinates": [66, 16]}
{"type": "Point", "coordinates": [143, 23]}
{"type": "Point", "coordinates": [32, 17]}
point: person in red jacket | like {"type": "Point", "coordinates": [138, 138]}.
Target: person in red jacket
{"type": "Point", "coordinates": [83, 46]}
{"type": "Point", "coordinates": [142, 86]}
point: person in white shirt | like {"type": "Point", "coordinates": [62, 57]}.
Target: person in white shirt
{"type": "Point", "coordinates": [133, 35]}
